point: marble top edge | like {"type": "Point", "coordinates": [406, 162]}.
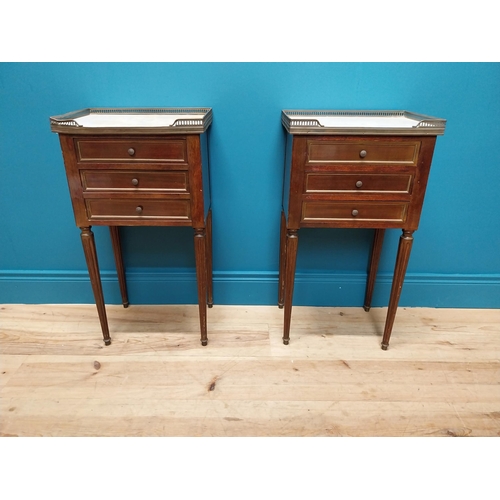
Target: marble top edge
{"type": "Point", "coordinates": [364, 121]}
{"type": "Point", "coordinates": [134, 119]}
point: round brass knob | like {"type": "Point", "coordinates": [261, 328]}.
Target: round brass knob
{"type": "Point", "coordinates": [354, 213]}
{"type": "Point", "coordinates": [131, 151]}
{"type": "Point", "coordinates": [139, 209]}
{"type": "Point", "coordinates": [135, 182]}
{"type": "Point", "coordinates": [362, 153]}
{"type": "Point", "coordinates": [359, 184]}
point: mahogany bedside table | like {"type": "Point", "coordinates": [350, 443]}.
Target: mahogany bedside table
{"type": "Point", "coordinates": [354, 169]}
{"type": "Point", "coordinates": [139, 167]}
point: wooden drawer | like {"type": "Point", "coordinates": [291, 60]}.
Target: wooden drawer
{"type": "Point", "coordinates": [132, 150]}
{"type": "Point", "coordinates": [354, 211]}
{"type": "Point", "coordinates": [138, 208]}
{"type": "Point", "coordinates": [331, 183]}
{"type": "Point", "coordinates": [363, 151]}
{"type": "Point", "coordinates": [130, 180]}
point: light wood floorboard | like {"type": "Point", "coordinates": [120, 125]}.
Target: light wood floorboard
{"type": "Point", "coordinates": [440, 376]}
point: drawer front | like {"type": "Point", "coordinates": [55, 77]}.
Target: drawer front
{"type": "Point", "coordinates": [129, 180]}
{"type": "Point", "coordinates": [363, 151]}
{"type": "Point", "coordinates": [354, 211]}
{"type": "Point", "coordinates": [137, 209]}
{"type": "Point", "coordinates": [132, 150]}
{"type": "Point", "coordinates": [332, 183]}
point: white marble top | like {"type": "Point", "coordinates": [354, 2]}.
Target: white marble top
{"type": "Point", "coordinates": [362, 121]}
{"type": "Point", "coordinates": [331, 122]}
{"type": "Point", "coordinates": [132, 120]}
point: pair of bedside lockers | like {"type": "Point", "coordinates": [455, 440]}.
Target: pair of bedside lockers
{"type": "Point", "coordinates": [343, 169]}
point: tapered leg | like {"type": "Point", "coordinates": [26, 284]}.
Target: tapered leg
{"type": "Point", "coordinates": [120, 269]}
{"type": "Point", "coordinates": [210, 286]}
{"type": "Point", "coordinates": [373, 266]}
{"type": "Point", "coordinates": [404, 249]}
{"type": "Point", "coordinates": [95, 279]}
{"type": "Point", "coordinates": [291, 259]}
{"type": "Point", "coordinates": [201, 276]}
{"type": "Point", "coordinates": [281, 279]}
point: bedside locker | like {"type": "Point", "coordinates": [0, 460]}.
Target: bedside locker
{"type": "Point", "coordinates": [139, 167]}
{"type": "Point", "coordinates": [354, 169]}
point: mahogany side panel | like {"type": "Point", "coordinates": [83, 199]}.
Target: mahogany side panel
{"type": "Point", "coordinates": [196, 181]}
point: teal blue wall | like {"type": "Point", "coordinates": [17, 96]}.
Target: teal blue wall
{"type": "Point", "coordinates": [456, 255]}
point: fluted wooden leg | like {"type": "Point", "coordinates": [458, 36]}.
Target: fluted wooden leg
{"type": "Point", "coordinates": [89, 250]}
{"type": "Point", "coordinates": [210, 286]}
{"type": "Point", "coordinates": [201, 276]}
{"type": "Point", "coordinates": [120, 269]}
{"type": "Point", "coordinates": [373, 266]}
{"type": "Point", "coordinates": [282, 263]}
{"type": "Point", "coordinates": [404, 249]}
{"type": "Point", "coordinates": [291, 259]}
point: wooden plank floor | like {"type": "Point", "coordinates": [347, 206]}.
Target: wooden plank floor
{"type": "Point", "coordinates": [440, 376]}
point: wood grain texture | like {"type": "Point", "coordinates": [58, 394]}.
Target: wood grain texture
{"type": "Point", "coordinates": [441, 376]}
{"type": "Point", "coordinates": [357, 181]}
{"type": "Point", "coordinates": [131, 149]}
{"type": "Point", "coordinates": [89, 249]}
{"type": "Point", "coordinates": [136, 180]}
{"type": "Point", "coordinates": [403, 256]}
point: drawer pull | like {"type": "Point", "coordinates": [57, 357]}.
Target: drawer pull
{"type": "Point", "coordinates": [354, 213]}
{"type": "Point", "coordinates": [135, 182]}
{"type": "Point", "coordinates": [359, 184]}
{"type": "Point", "coordinates": [362, 153]}
{"type": "Point", "coordinates": [131, 151]}
{"type": "Point", "coordinates": [139, 210]}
